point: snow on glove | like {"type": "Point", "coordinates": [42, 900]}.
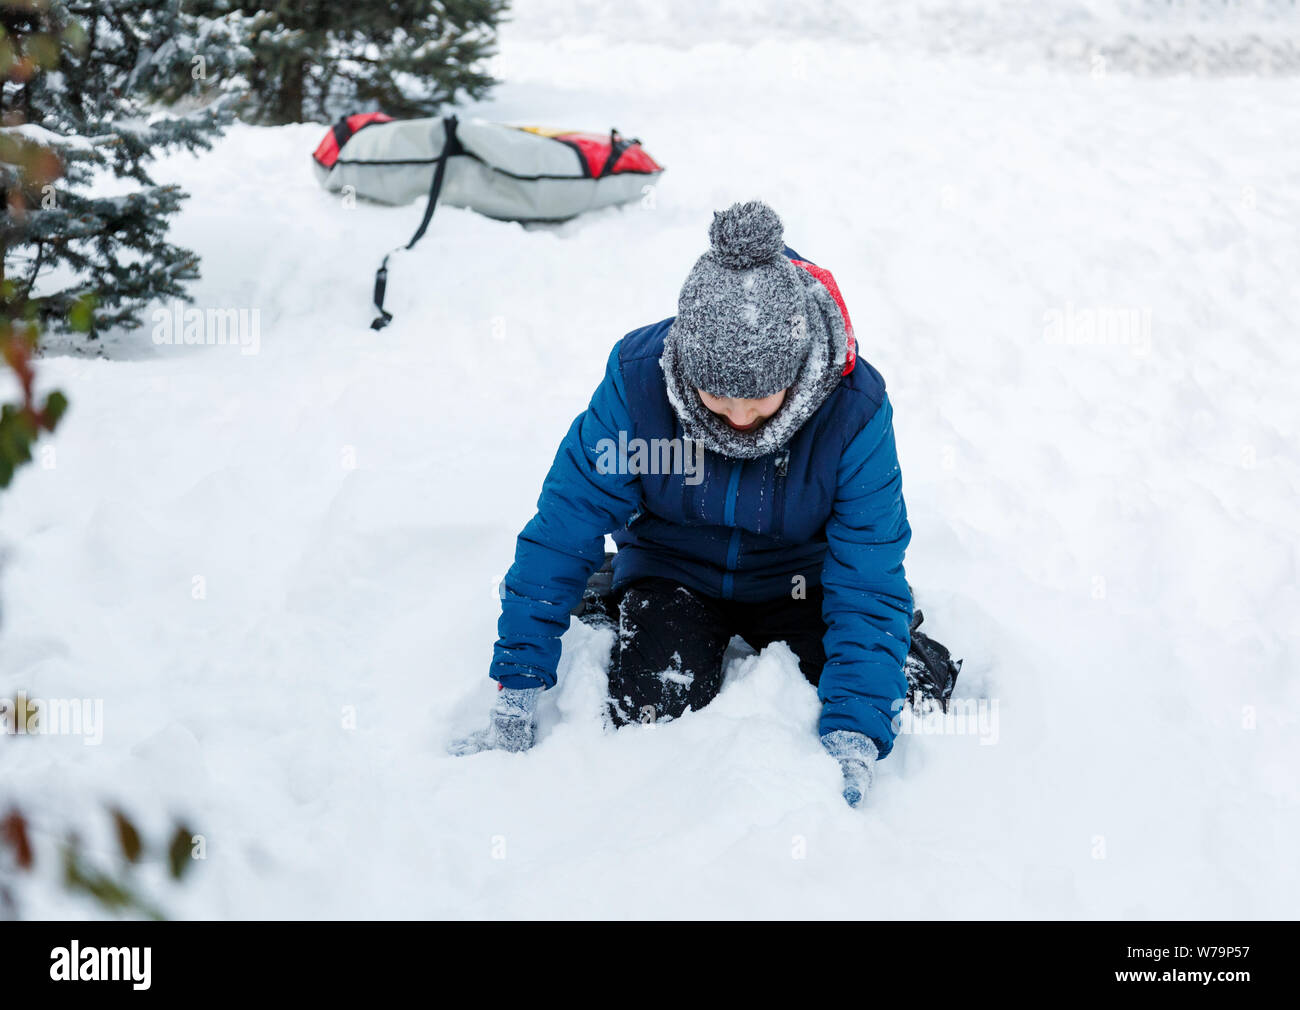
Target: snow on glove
{"type": "Point", "coordinates": [856, 753]}
{"type": "Point", "coordinates": [511, 724]}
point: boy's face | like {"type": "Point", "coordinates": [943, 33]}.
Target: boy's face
{"type": "Point", "coordinates": [743, 415]}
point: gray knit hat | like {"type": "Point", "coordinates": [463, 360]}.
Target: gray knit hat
{"type": "Point", "coordinates": [741, 315]}
{"type": "Point", "coordinates": [750, 323]}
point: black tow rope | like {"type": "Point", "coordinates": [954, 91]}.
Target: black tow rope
{"type": "Point", "coordinates": [450, 146]}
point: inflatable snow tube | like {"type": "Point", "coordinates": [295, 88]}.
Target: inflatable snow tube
{"type": "Point", "coordinates": [512, 173]}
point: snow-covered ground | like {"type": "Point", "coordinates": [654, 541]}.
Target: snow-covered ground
{"type": "Point", "coordinates": [278, 569]}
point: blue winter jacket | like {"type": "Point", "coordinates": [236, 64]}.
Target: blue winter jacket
{"type": "Point", "coordinates": [828, 508]}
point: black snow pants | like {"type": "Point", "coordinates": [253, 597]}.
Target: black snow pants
{"type": "Point", "coordinates": [671, 641]}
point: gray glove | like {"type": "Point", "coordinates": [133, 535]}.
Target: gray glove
{"type": "Point", "coordinates": [512, 722]}
{"type": "Point", "coordinates": [856, 753]}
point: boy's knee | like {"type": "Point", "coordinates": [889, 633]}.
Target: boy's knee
{"type": "Point", "coordinates": [626, 713]}
{"type": "Point", "coordinates": [638, 694]}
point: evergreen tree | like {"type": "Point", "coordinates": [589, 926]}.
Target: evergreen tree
{"type": "Point", "coordinates": [125, 70]}
{"type": "Point", "coordinates": [323, 58]}
{"type": "Point", "coordinates": [36, 37]}
{"type": "Point", "coordinates": [25, 167]}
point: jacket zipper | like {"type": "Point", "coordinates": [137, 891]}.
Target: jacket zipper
{"type": "Point", "coordinates": [778, 493]}
{"type": "Point", "coordinates": [729, 519]}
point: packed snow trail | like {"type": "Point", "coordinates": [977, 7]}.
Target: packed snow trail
{"type": "Point", "coordinates": [279, 569]}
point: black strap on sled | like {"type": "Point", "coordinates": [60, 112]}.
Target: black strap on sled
{"type": "Point", "coordinates": [617, 145]}
{"type": "Point", "coordinates": [450, 146]}
{"type": "Point", "coordinates": [342, 131]}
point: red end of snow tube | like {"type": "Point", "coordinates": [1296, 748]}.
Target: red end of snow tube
{"type": "Point", "coordinates": [605, 154]}
{"type": "Point", "coordinates": [327, 151]}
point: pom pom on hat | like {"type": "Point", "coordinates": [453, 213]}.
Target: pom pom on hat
{"type": "Point", "coordinates": [746, 235]}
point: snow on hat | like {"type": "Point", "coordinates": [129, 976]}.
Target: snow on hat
{"type": "Point", "coordinates": [742, 323]}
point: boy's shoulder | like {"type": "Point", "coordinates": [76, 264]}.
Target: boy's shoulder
{"type": "Point", "coordinates": [864, 381]}
{"type": "Point", "coordinates": [644, 342]}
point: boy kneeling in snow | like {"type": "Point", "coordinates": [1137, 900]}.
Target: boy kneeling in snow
{"type": "Point", "coordinates": [796, 532]}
